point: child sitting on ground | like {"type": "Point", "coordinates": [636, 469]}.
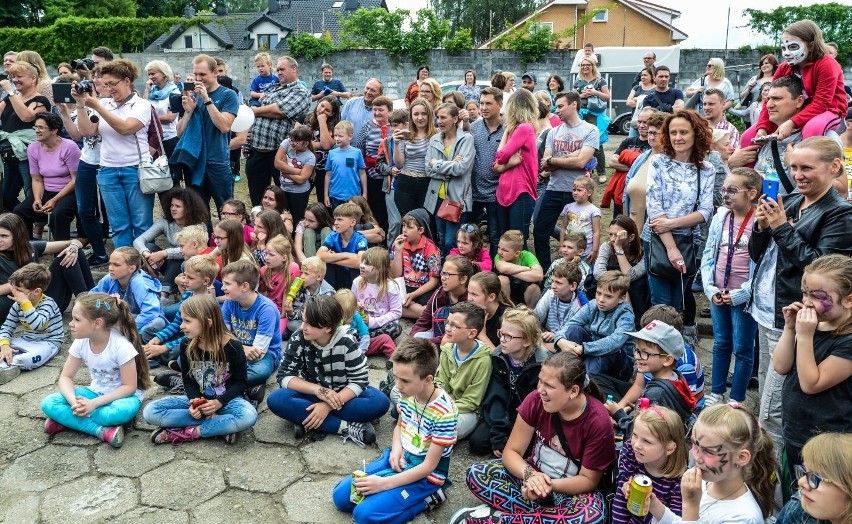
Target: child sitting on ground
{"type": "Point", "coordinates": [469, 244]}
{"type": "Point", "coordinates": [380, 297]}
{"type": "Point", "coordinates": [40, 321]}
{"type": "Point", "coordinates": [465, 364]}
{"type": "Point", "coordinates": [581, 216]}
{"type": "Point", "coordinates": [571, 249]}
{"type": "Point", "coordinates": [408, 478]}
{"type": "Point", "coordinates": [313, 285]}
{"type": "Point", "coordinates": [352, 319]}
{"type": "Point", "coordinates": [598, 332]}
{"type": "Point", "coordinates": [417, 260]}
{"type": "Point", "coordinates": [519, 270]}
{"type": "Point", "coordinates": [560, 303]}
{"type": "Point", "coordinates": [278, 273]}
{"type": "Point", "coordinates": [311, 231]}
{"type": "Point", "coordinates": [323, 379]}
{"type": "Point", "coordinates": [342, 247]}
{"type": "Point", "coordinates": [255, 321]}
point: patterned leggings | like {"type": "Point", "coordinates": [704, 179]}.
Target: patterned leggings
{"type": "Point", "coordinates": [491, 483]}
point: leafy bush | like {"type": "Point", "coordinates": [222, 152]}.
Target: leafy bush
{"type": "Point", "coordinates": [531, 41]}
{"type": "Point", "coordinates": [460, 41]}
{"type": "Point", "coordinates": [308, 46]}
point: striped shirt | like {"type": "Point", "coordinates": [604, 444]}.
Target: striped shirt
{"type": "Point", "coordinates": [666, 489]}
{"type": "Point", "coordinates": [41, 322]}
{"type": "Point", "coordinates": [368, 140]}
{"type": "Point", "coordinates": [434, 423]}
{"type": "Point", "coordinates": [415, 154]}
{"type": "Point", "coordinates": [339, 364]}
{"type": "Point", "coordinates": [485, 144]}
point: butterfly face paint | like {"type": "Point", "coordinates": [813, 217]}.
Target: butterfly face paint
{"type": "Point", "coordinates": [793, 50]}
{"type": "Point", "coordinates": [820, 299]}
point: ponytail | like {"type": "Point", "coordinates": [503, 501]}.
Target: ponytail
{"type": "Point", "coordinates": [572, 372]}
{"type": "Point", "coordinates": [760, 474]}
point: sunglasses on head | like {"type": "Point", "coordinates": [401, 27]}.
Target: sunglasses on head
{"type": "Point", "coordinates": [468, 228]}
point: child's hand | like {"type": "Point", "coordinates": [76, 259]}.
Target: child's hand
{"type": "Point", "coordinates": [547, 336]}
{"type": "Point", "coordinates": [83, 407]}
{"type": "Point", "coordinates": [327, 202]}
{"type": "Point", "coordinates": [18, 296]}
{"type": "Point", "coordinates": [253, 237]}
{"type": "Point", "coordinates": [252, 353]}
{"type": "Point", "coordinates": [625, 488]}
{"type": "Point", "coordinates": [154, 350]}
{"type": "Point", "coordinates": [395, 459]}
{"type": "Point", "coordinates": [288, 307]}
{"type": "Point", "coordinates": [6, 354]}
{"type": "Point", "coordinates": [210, 407]}
{"type": "Point", "coordinates": [806, 322]}
{"type": "Point", "coordinates": [408, 300]}
{"type": "Point", "coordinates": [370, 485]}
{"type": "Point", "coordinates": [790, 314]}
{"type": "Point", "coordinates": [717, 299]}
{"type": "Point", "coordinates": [330, 397]}
{"type": "Point", "coordinates": [612, 407]}
{"type": "Point", "coordinates": [319, 412]}
{"type": "Point", "coordinates": [300, 227]}
{"type": "Point", "coordinates": [194, 412]}
{"type": "Point", "coordinates": [537, 486]}
{"type": "Point", "coordinates": [690, 487]}
{"type": "Point", "coordinates": [498, 453]}
{"type": "Point", "coordinates": [399, 242]}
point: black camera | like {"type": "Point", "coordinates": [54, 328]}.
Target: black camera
{"type": "Point", "coordinates": [84, 86]}
{"type": "Point", "coordinates": [82, 63]}
{"type": "Point", "coordinates": [4, 75]}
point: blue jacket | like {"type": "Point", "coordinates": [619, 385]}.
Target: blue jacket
{"type": "Point", "coordinates": [190, 150]}
{"type": "Point", "coordinates": [608, 329]}
{"type": "Point", "coordinates": [708, 262]}
{"type": "Point", "coordinates": [142, 296]}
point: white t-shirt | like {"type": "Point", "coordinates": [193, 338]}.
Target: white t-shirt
{"type": "Point", "coordinates": [104, 366]}
{"type": "Point", "coordinates": [162, 107]}
{"type": "Point", "coordinates": [742, 510]}
{"type": "Point", "coordinates": [119, 150]}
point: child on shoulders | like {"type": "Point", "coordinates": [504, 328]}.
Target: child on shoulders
{"type": "Point", "coordinates": [519, 270]}
{"type": "Point", "coordinates": [380, 297]}
{"type": "Point", "coordinates": [265, 82]}
{"type": "Point", "coordinates": [342, 249]}
{"type": "Point", "coordinates": [561, 302]}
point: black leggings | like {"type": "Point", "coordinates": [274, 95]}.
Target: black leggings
{"type": "Point", "coordinates": [410, 193]}
{"type": "Point", "coordinates": [260, 174]}
{"type": "Point", "coordinates": [66, 282]}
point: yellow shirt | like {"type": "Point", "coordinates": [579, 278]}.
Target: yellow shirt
{"type": "Point", "coordinates": [442, 191]}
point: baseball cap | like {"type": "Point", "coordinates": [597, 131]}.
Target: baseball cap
{"type": "Point", "coordinates": [663, 335]}
{"type": "Point", "coordinates": [531, 76]}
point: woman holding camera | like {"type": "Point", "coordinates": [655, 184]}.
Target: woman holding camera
{"type": "Point", "coordinates": [122, 123]}
{"type": "Point", "coordinates": [17, 113]}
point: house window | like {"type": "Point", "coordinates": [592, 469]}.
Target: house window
{"type": "Point", "coordinates": [535, 27]}
{"type": "Point", "coordinates": [601, 16]}
{"type": "Point", "coordinates": [337, 5]}
{"type": "Point", "coordinates": [267, 42]}
{"type": "Point", "coordinates": [187, 41]}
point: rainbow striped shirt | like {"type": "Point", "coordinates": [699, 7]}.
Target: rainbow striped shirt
{"type": "Point", "coordinates": [436, 423]}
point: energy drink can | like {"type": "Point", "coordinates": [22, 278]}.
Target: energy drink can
{"type": "Point", "coordinates": [640, 486]}
{"type": "Point", "coordinates": [354, 496]}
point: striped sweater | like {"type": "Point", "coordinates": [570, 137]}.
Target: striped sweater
{"type": "Point", "coordinates": [41, 322]}
{"type": "Point", "coordinates": [339, 364]}
{"type": "Point", "coordinates": [666, 489]}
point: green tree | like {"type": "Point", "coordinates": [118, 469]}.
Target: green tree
{"type": "Point", "coordinates": [833, 18]}
{"type": "Point", "coordinates": [484, 18]}
{"type": "Point", "coordinates": [21, 13]}
{"type": "Point", "coordinates": [105, 8]}
{"type": "Point", "coordinates": [531, 40]}
{"type": "Point", "coordinates": [381, 29]}
{"type": "Point", "coordinates": [158, 8]}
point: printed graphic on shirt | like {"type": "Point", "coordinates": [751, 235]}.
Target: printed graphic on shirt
{"type": "Point", "coordinates": [211, 377]}
{"type": "Point", "coordinates": [550, 458]}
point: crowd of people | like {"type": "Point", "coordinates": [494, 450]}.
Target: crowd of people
{"type": "Point", "coordinates": [570, 377]}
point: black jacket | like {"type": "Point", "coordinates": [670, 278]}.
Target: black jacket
{"type": "Point", "coordinates": [823, 228]}
{"type": "Point", "coordinates": [500, 404]}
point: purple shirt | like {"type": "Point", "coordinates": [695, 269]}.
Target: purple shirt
{"type": "Point", "coordinates": [56, 166]}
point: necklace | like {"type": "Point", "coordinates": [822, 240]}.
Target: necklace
{"type": "Point", "coordinates": [417, 440]}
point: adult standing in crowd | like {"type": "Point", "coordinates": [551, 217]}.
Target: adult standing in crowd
{"type": "Point", "coordinates": [368, 139]}
{"type": "Point", "coordinates": [648, 60]}
{"type": "Point", "coordinates": [766, 73]}
{"type": "Point", "coordinates": [568, 149]}
{"type": "Point", "coordinates": [44, 83]}
{"type": "Point", "coordinates": [359, 109]}
{"type": "Point", "coordinates": [469, 89]}
{"type": "Point", "coordinates": [637, 95]}
{"type": "Point", "coordinates": [487, 136]}
{"type": "Point", "coordinates": [53, 169]}
{"type": "Point", "coordinates": [664, 98]}
{"type": "Point", "coordinates": [555, 85]}
{"type": "Point", "coordinates": [329, 86]}
{"type": "Point", "coordinates": [790, 234]}
{"type": "Point", "coordinates": [204, 130]}
{"type": "Point", "coordinates": [100, 55]}
{"type": "Point", "coordinates": [321, 120]}
{"type": "Point", "coordinates": [714, 112]}
{"type": "Point", "coordinates": [9, 58]}
{"type": "Point", "coordinates": [636, 182]}
{"type": "Point", "coordinates": [164, 95]}
{"type": "Point", "coordinates": [413, 89]}
{"type": "Point", "coordinates": [430, 91]}
{"type": "Point", "coordinates": [713, 78]}
{"type": "Point", "coordinates": [594, 100]}
{"type": "Point", "coordinates": [122, 123]}
{"type": "Point", "coordinates": [277, 115]}
{"type": "Point", "coordinates": [17, 113]}
{"type": "Point", "coordinates": [529, 81]}
{"type": "Point", "coordinates": [680, 197]}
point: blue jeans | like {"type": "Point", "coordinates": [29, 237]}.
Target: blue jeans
{"type": "Point", "coordinates": [616, 364]}
{"type": "Point", "coordinates": [291, 405]}
{"type": "Point", "coordinates": [394, 506]}
{"type": "Point", "coordinates": [150, 329]}
{"type": "Point", "coordinates": [218, 184]}
{"type": "Point", "coordinates": [131, 212]}
{"type": "Point", "coordinates": [86, 191]}
{"type": "Point", "coordinates": [447, 231]}
{"type": "Point", "coordinates": [517, 215]}
{"type": "Point", "coordinates": [257, 371]}
{"type": "Point", "coordinates": [16, 176]}
{"type": "Point", "coordinates": [118, 412]}
{"type": "Point", "coordinates": [667, 291]}
{"type": "Point", "coordinates": [173, 412]}
{"type": "Point", "coordinates": [548, 215]}
{"type": "Point", "coordinates": [734, 333]}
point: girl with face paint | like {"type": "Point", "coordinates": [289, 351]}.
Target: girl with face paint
{"type": "Point", "coordinates": [815, 352]}
{"type": "Point", "coordinates": [806, 55]}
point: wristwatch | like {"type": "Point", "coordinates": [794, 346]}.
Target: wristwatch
{"type": "Point", "coordinates": [619, 252]}
{"type": "Point", "coordinates": [207, 103]}
{"type": "Point", "coordinates": [549, 161]}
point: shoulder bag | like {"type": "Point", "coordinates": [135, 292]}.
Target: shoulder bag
{"type": "Point", "coordinates": [660, 266]}
{"type": "Point", "coordinates": [154, 175]}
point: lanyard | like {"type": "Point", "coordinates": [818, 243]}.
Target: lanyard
{"type": "Point", "coordinates": [732, 243]}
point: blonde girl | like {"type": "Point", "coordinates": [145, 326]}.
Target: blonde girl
{"type": "Point", "coordinates": [279, 270]}
{"type": "Point", "coordinates": [107, 341]}
{"type": "Point", "coordinates": [734, 475]}
{"type": "Point", "coordinates": [657, 449]}
{"type": "Point", "coordinates": [469, 244]}
{"type": "Point", "coordinates": [520, 353]}
{"type": "Point", "coordinates": [138, 289]}
{"type": "Point", "coordinates": [380, 297]}
{"type": "Point", "coordinates": [213, 367]}
{"type": "Point", "coordinates": [485, 291]}
{"type": "Point", "coordinates": [815, 354]}
{"type": "Point", "coordinates": [410, 153]}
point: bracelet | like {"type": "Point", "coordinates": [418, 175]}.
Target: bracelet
{"type": "Point", "coordinates": [207, 103]}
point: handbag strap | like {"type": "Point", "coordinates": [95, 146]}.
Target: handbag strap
{"type": "Point", "coordinates": [779, 167]}
{"type": "Point", "coordinates": [155, 120]}
{"type": "Point", "coordinates": [560, 434]}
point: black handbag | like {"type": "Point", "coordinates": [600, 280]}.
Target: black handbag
{"type": "Point", "coordinates": [661, 267]}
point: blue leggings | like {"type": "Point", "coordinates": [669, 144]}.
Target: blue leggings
{"type": "Point", "coordinates": [393, 506]}
{"type": "Point", "coordinates": [118, 412]}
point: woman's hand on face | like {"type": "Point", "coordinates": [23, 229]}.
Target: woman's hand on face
{"type": "Point", "coordinates": [620, 240]}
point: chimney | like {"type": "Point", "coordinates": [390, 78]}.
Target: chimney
{"type": "Point", "coordinates": [352, 5]}
{"type": "Point", "coordinates": [188, 12]}
{"type": "Point", "coordinates": [273, 6]}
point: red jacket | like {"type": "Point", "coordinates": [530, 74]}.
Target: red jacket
{"type": "Point", "coordinates": [823, 82]}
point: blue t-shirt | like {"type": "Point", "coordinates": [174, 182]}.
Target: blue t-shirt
{"type": "Point", "coordinates": [344, 164]}
{"type": "Point", "coordinates": [333, 85]}
{"type": "Point", "coordinates": [264, 84]}
{"type": "Point", "coordinates": [216, 143]}
{"type": "Point", "coordinates": [357, 243]}
{"type": "Point", "coordinates": [258, 326]}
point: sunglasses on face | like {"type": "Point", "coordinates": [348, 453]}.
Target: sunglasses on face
{"type": "Point", "coordinates": [813, 479]}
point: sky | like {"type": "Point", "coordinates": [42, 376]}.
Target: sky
{"type": "Point", "coordinates": [704, 22]}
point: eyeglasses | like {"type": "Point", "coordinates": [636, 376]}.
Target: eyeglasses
{"type": "Point", "coordinates": [40, 128]}
{"type": "Point", "coordinates": [505, 338]}
{"type": "Point", "coordinates": [708, 65]}
{"type": "Point", "coordinates": [813, 479]}
{"type": "Point", "coordinates": [219, 239]}
{"type": "Point", "coordinates": [653, 133]}
{"type": "Point", "coordinates": [450, 326]}
{"type": "Point", "coordinates": [447, 274]}
{"type": "Point", "coordinates": [112, 85]}
{"type": "Point", "coordinates": [586, 65]}
{"type": "Point", "coordinates": [227, 214]}
{"type": "Point", "coordinates": [644, 355]}
{"type": "Point", "coordinates": [731, 191]}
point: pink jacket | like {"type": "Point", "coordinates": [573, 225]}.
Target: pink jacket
{"type": "Point", "coordinates": [521, 178]}
{"type": "Point", "coordinates": [484, 262]}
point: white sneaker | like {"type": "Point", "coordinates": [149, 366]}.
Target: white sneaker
{"type": "Point", "coordinates": [711, 399]}
{"type": "Point", "coordinates": [8, 372]}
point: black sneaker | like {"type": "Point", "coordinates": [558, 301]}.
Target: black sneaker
{"type": "Point", "coordinates": [255, 394]}
{"type": "Point", "coordinates": [435, 499]}
{"type": "Point", "coordinates": [174, 366]}
{"type": "Point", "coordinates": [170, 381]}
{"type": "Point", "coordinates": [361, 433]}
{"type": "Point", "coordinates": [298, 431]}
{"type": "Point", "coordinates": [97, 261]}
{"type": "Point", "coordinates": [753, 383]}
{"type": "Point", "coordinates": [482, 514]}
